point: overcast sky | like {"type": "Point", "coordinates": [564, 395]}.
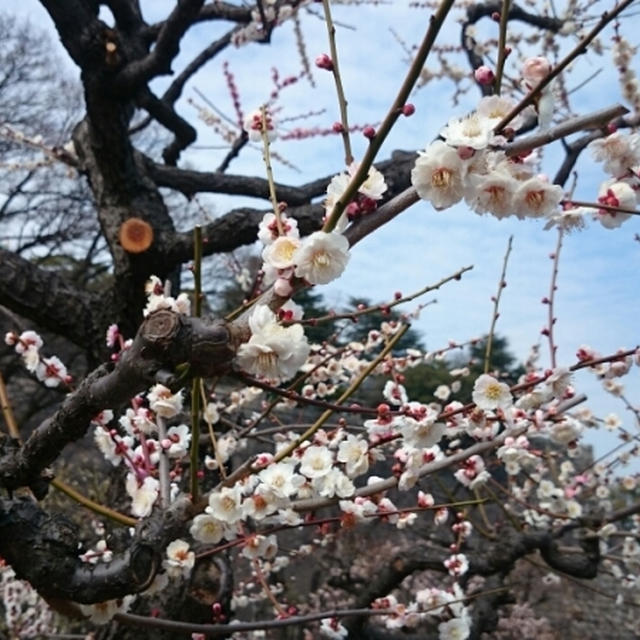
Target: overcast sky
{"type": "Point", "coordinates": [597, 298]}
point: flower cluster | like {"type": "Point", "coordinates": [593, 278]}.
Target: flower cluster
{"type": "Point", "coordinates": [369, 194]}
{"type": "Point", "coordinates": [50, 371]}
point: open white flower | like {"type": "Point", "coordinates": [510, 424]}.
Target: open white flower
{"type": "Point", "coordinates": [316, 462]}
{"type": "Point", "coordinates": [354, 453]}
{"type": "Point", "coordinates": [281, 479]}
{"type": "Point", "coordinates": [473, 131]}
{"type": "Point", "coordinates": [225, 505]}
{"type": "Point", "coordinates": [279, 254]}
{"type": "Point", "coordinates": [180, 560]}
{"type": "Point", "coordinates": [206, 528]}
{"type": "Point", "coordinates": [273, 351]}
{"type": "Point", "coordinates": [322, 257]}
{"type": "Point", "coordinates": [489, 393]}
{"type": "Point", "coordinates": [163, 402]}
{"type": "Point", "coordinates": [536, 198]}
{"type": "Point", "coordinates": [438, 175]}
{"type": "Point", "coordinates": [143, 494]}
{"type": "Point", "coordinates": [492, 193]}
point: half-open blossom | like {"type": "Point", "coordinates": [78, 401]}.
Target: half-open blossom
{"type": "Point", "coordinates": [616, 194]}
{"type": "Point", "coordinates": [268, 228]}
{"type": "Point", "coordinates": [253, 125]}
{"type": "Point", "coordinates": [321, 257]}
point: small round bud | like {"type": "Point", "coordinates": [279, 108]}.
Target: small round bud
{"type": "Point", "coordinates": [369, 132]}
{"type": "Point", "coordinates": [484, 76]}
{"type": "Point", "coordinates": [337, 127]}
{"type": "Point", "coordinates": [323, 61]}
{"type": "Point", "coordinates": [408, 109]}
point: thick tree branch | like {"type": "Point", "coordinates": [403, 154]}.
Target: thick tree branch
{"type": "Point", "coordinates": [46, 298]}
{"type": "Point", "coordinates": [212, 11]}
{"type": "Point", "coordinates": [167, 46]}
{"type": "Point", "coordinates": [164, 341]}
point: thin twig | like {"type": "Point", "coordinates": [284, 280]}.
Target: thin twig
{"type": "Point", "coordinates": [551, 320]}
{"type": "Point", "coordinates": [496, 303]}
{"type": "Point", "coordinates": [579, 49]}
{"type": "Point", "coordinates": [436, 21]}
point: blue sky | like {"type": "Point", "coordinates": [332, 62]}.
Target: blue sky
{"type": "Point", "coordinates": [597, 299]}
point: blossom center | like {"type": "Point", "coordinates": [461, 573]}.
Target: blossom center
{"type": "Point", "coordinates": [441, 178]}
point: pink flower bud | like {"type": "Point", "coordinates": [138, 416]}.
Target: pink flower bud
{"type": "Point", "coordinates": [369, 132]}
{"type": "Point", "coordinates": [464, 153]}
{"type": "Point", "coordinates": [484, 76]}
{"type": "Point", "coordinates": [535, 69]}
{"type": "Point", "coordinates": [337, 127]}
{"type": "Point", "coordinates": [282, 287]}
{"type": "Point", "coordinates": [323, 61]}
{"type": "Point", "coordinates": [408, 110]}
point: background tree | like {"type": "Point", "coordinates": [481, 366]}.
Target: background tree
{"type": "Point", "coordinates": [108, 255]}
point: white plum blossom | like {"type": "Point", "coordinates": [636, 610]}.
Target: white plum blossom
{"type": "Point", "coordinates": [205, 528]}
{"type": "Point", "coordinates": [177, 441]}
{"type": "Point", "coordinates": [473, 131]}
{"type": "Point", "coordinates": [394, 393]}
{"type": "Point", "coordinates": [180, 559]}
{"type": "Point", "coordinates": [163, 402]}
{"type": "Point", "coordinates": [281, 479]}
{"type": "Point", "coordinates": [332, 629]}
{"type": "Point", "coordinates": [316, 462]}
{"type": "Point", "coordinates": [489, 393]}
{"type": "Point", "coordinates": [273, 351]}
{"type": "Point", "coordinates": [353, 451]}
{"type": "Point", "coordinates": [473, 473]}
{"type": "Point", "coordinates": [51, 371]}
{"type": "Point", "coordinates": [492, 193]}
{"type": "Point", "coordinates": [616, 194]}
{"type": "Point", "coordinates": [321, 257]}
{"type": "Point", "coordinates": [535, 198]}
{"type": "Point", "coordinates": [618, 151]}
{"type": "Point", "coordinates": [259, 546]}
{"type": "Point", "coordinates": [439, 174]}
{"type": "Point", "coordinates": [143, 494]}
{"type": "Point", "coordinates": [279, 253]}
{"type": "Point", "coordinates": [418, 426]}
{"type": "Point", "coordinates": [333, 483]}
{"type": "Point", "coordinates": [226, 504]}
{"type": "Point", "coordinates": [442, 392]}
{"type": "Point", "coordinates": [454, 629]}
{"type": "Point", "coordinates": [457, 564]}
